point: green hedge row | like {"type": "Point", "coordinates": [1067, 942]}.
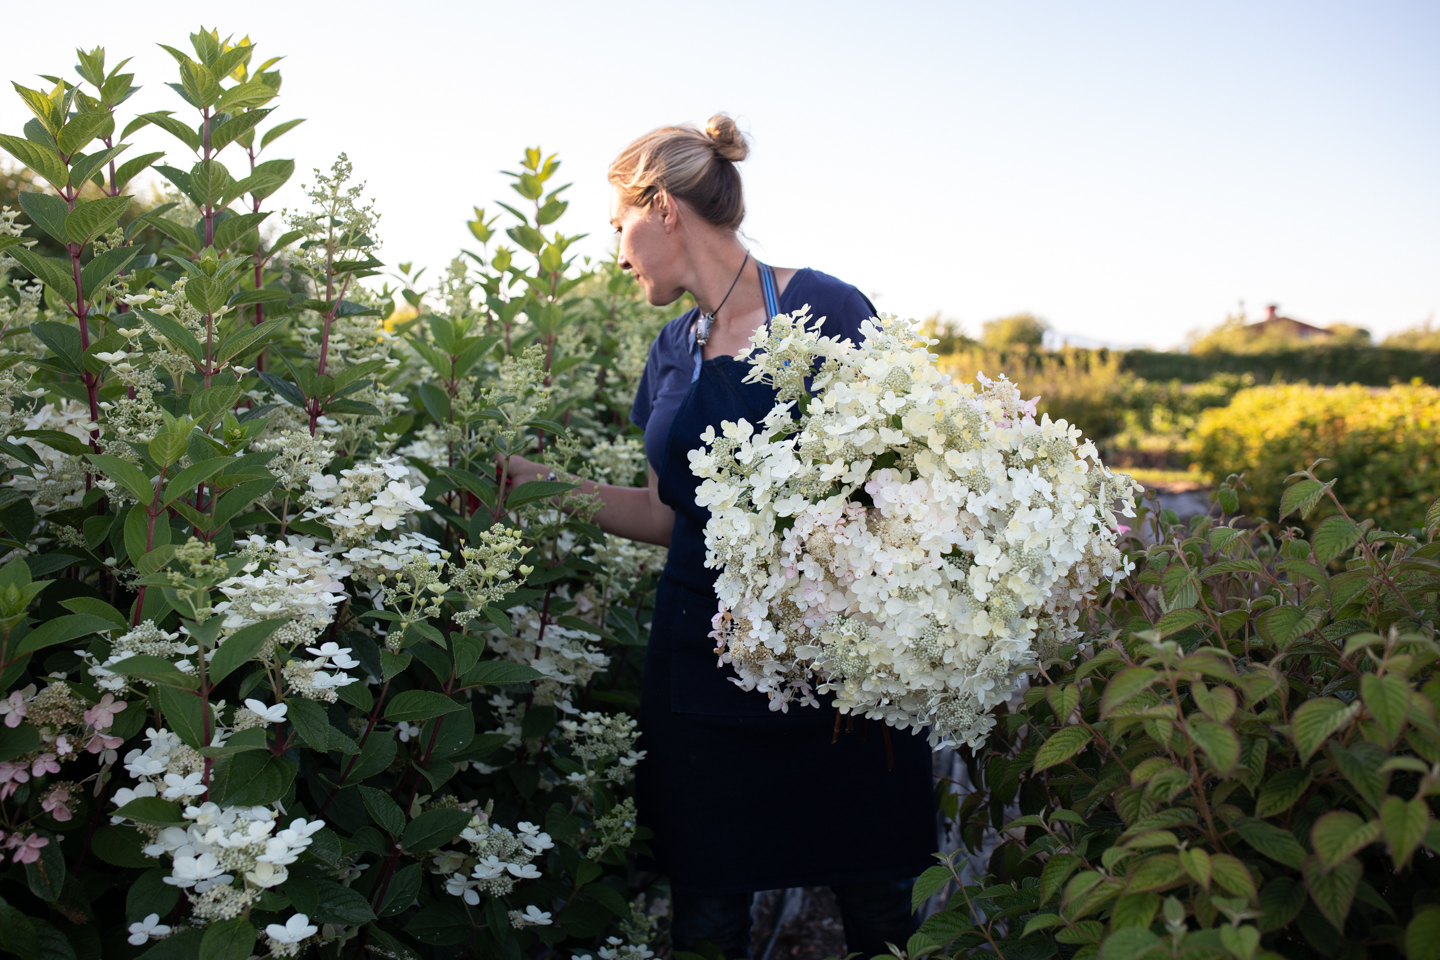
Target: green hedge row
{"type": "Point", "coordinates": [1370, 366]}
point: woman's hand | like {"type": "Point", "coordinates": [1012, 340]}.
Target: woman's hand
{"type": "Point", "coordinates": [635, 513]}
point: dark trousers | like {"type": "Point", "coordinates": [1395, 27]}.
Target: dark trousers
{"type": "Point", "coordinates": [874, 914]}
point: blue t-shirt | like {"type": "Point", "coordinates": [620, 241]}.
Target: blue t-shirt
{"type": "Point", "coordinates": [671, 364]}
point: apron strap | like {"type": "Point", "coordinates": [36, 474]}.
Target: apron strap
{"type": "Point", "coordinates": [772, 308]}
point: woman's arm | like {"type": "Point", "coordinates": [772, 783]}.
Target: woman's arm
{"type": "Point", "coordinates": [634, 513]}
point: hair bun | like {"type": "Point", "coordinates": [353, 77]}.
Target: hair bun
{"type": "Point", "coordinates": [728, 140]}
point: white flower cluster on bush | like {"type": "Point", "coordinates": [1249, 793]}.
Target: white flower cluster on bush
{"type": "Point", "coordinates": [910, 544]}
{"type": "Point", "coordinates": [497, 859]}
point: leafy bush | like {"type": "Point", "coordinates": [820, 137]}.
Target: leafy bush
{"type": "Point", "coordinates": [1243, 767]}
{"type": "Point", "coordinates": [285, 666]}
{"type": "Point", "coordinates": [1381, 444]}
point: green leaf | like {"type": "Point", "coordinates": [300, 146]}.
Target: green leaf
{"type": "Point", "coordinates": [310, 722]}
{"type": "Point", "coordinates": [1314, 722]}
{"type": "Point", "coordinates": [1334, 536]}
{"type": "Point", "coordinates": [223, 135]}
{"type": "Point", "coordinates": [234, 228]}
{"type": "Point", "coordinates": [253, 778]}
{"type": "Point", "coordinates": [1277, 844]}
{"type": "Point", "coordinates": [1232, 875]}
{"type": "Point", "coordinates": [1219, 742]}
{"type": "Point", "coordinates": [90, 218]}
{"type": "Point", "coordinates": [227, 940]}
{"type": "Point", "coordinates": [46, 211]}
{"type": "Point", "coordinates": [433, 828]}
{"type": "Point", "coordinates": [167, 448]}
{"type": "Point", "coordinates": [1124, 687]}
{"type": "Point", "coordinates": [101, 269]}
{"type": "Point", "coordinates": [413, 705]}
{"type": "Point", "coordinates": [383, 810]}
{"type": "Point", "coordinates": [184, 714]}
{"type": "Point", "coordinates": [41, 158]}
{"type": "Point", "coordinates": [1281, 791]}
{"type": "Point", "coordinates": [1128, 943]}
{"type": "Point", "coordinates": [928, 884]}
{"type": "Point", "coordinates": [241, 647]}
{"type": "Point", "coordinates": [1339, 834]}
{"type": "Point", "coordinates": [500, 671]}
{"type": "Point", "coordinates": [1043, 921]}
{"type": "Point", "coordinates": [1282, 626]}
{"type": "Point", "coordinates": [209, 184]}
{"type": "Point", "coordinates": [279, 130]}
{"type": "Point", "coordinates": [1403, 823]}
{"type": "Point", "coordinates": [131, 168]}
{"type": "Point", "coordinates": [1177, 620]}
{"type": "Point", "coordinates": [1388, 700]}
{"type": "Point", "coordinates": [129, 476]}
{"type": "Point", "coordinates": [1056, 871]}
{"type": "Point", "coordinates": [338, 903]}
{"type": "Point", "coordinates": [156, 670]}
{"type": "Point", "coordinates": [154, 811]}
{"type": "Point", "coordinates": [237, 343]}
{"type": "Point", "coordinates": [1422, 935]}
{"type": "Point", "coordinates": [377, 753]}
{"type": "Point", "coordinates": [534, 490]}
{"type": "Point", "coordinates": [62, 630]}
{"type": "Point", "coordinates": [404, 888]}
{"type": "Point", "coordinates": [175, 332]}
{"type": "Point", "coordinates": [82, 128]}
{"type": "Point", "coordinates": [191, 477]}
{"type": "Point", "coordinates": [55, 274]}
{"type": "Point", "coordinates": [207, 294]}
{"type": "Point", "coordinates": [1061, 746]}
{"type": "Point", "coordinates": [1302, 497]}
{"type": "Point", "coordinates": [1333, 889]}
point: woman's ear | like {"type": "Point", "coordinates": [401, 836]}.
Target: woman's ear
{"type": "Point", "coordinates": [667, 210]}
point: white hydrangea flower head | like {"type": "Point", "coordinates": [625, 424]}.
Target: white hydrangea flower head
{"type": "Point", "coordinates": [910, 544]}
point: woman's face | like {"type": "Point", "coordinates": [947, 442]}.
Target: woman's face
{"type": "Point", "coordinates": [649, 247]}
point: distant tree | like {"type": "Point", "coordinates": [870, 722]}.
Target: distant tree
{"type": "Point", "coordinates": [1422, 336]}
{"type": "Point", "coordinates": [1349, 333]}
{"type": "Point", "coordinates": [1017, 330]}
{"type": "Point", "coordinates": [949, 331]}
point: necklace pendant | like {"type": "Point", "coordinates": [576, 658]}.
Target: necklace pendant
{"type": "Point", "coordinates": [702, 328]}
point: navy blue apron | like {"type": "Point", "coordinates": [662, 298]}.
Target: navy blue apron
{"type": "Point", "coordinates": [740, 798]}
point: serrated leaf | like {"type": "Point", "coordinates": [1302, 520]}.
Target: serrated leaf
{"type": "Point", "coordinates": [1061, 746]}
{"type": "Point", "coordinates": [1388, 700]}
{"type": "Point", "coordinates": [1422, 934]}
{"type": "Point", "coordinates": [1283, 625]}
{"type": "Point", "coordinates": [1334, 536]}
{"type": "Point", "coordinates": [1332, 889]}
{"type": "Point", "coordinates": [500, 671]}
{"type": "Point", "coordinates": [90, 218]}
{"type": "Point", "coordinates": [1314, 722]}
{"type": "Point", "coordinates": [1277, 844]}
{"type": "Point", "coordinates": [433, 828]}
{"type": "Point", "coordinates": [383, 810]}
{"type": "Point", "coordinates": [55, 274]}
{"type": "Point", "coordinates": [1177, 620]}
{"type": "Point", "coordinates": [1339, 834]}
{"type": "Point", "coordinates": [1281, 790]}
{"type": "Point", "coordinates": [310, 722]}
{"type": "Point", "coordinates": [1300, 498]}
{"type": "Point", "coordinates": [241, 647]}
{"type": "Point", "coordinates": [1125, 686]}
{"type": "Point", "coordinates": [928, 884]}
{"type": "Point", "coordinates": [533, 490]}
{"type": "Point", "coordinates": [1403, 823]}
{"type": "Point", "coordinates": [1220, 744]}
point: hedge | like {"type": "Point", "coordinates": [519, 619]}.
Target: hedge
{"type": "Point", "coordinates": [1370, 366]}
{"type": "Point", "coordinates": [1383, 444]}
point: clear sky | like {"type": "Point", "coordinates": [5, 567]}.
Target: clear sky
{"type": "Point", "coordinates": [1127, 170]}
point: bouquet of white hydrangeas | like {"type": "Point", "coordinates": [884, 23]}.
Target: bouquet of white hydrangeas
{"type": "Point", "coordinates": [910, 544]}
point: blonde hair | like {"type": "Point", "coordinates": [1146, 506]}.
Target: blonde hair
{"type": "Point", "coordinates": [690, 164]}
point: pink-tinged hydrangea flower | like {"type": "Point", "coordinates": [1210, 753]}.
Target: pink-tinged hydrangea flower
{"type": "Point", "coordinates": [13, 708]}
{"type": "Point", "coordinates": [28, 851]}
{"type": "Point", "coordinates": [57, 803]}
{"type": "Point", "coordinates": [102, 715]}
{"type": "Point", "coordinates": [43, 764]}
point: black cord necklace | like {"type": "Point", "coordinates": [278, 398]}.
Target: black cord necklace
{"type": "Point", "coordinates": [702, 326]}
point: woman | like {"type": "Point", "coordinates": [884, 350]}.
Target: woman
{"type": "Point", "coordinates": [740, 798]}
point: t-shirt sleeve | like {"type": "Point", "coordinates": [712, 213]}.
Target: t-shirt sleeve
{"type": "Point", "coordinates": [850, 309]}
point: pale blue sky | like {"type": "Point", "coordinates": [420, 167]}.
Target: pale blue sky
{"type": "Point", "coordinates": [1128, 171]}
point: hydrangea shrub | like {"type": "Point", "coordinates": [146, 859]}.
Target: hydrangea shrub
{"type": "Point", "coordinates": [287, 667]}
